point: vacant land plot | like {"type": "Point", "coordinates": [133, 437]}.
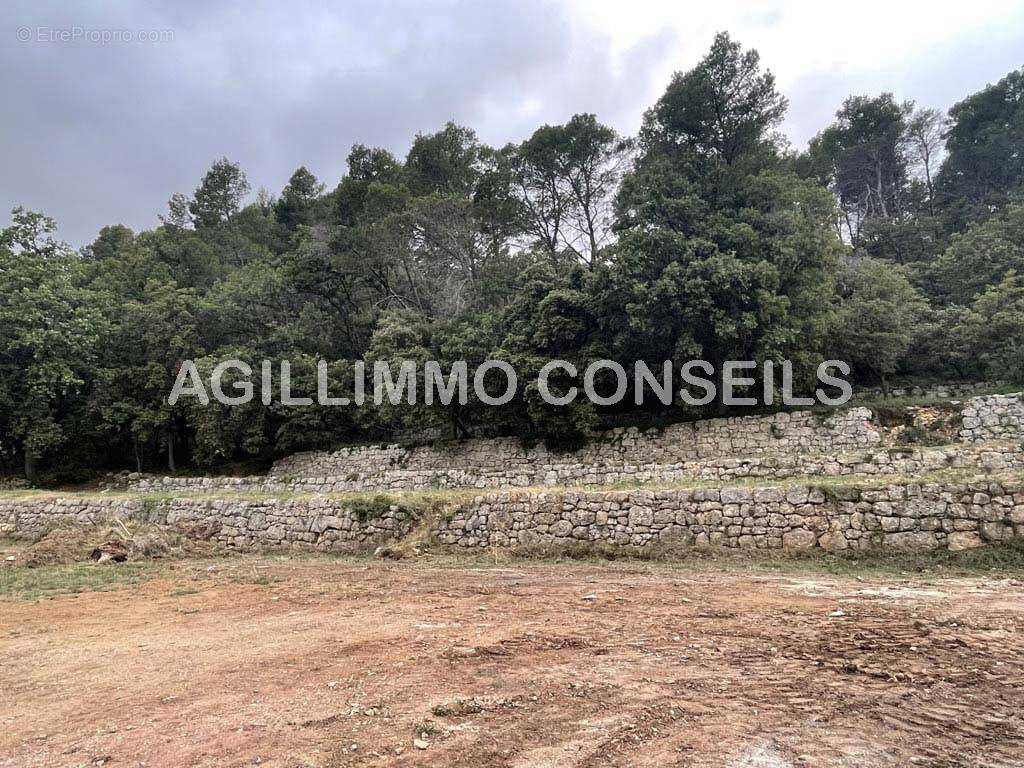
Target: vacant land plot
{"type": "Point", "coordinates": [261, 661]}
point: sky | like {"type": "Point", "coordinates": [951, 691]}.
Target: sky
{"type": "Point", "coordinates": [104, 127]}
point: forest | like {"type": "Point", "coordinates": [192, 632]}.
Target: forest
{"type": "Point", "coordinates": [893, 241]}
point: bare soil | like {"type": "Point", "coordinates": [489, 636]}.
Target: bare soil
{"type": "Point", "coordinates": [329, 663]}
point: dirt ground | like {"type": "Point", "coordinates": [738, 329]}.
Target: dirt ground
{"type": "Point", "coordinates": [333, 663]}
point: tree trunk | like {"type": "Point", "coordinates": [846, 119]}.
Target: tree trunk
{"type": "Point", "coordinates": [30, 467]}
{"type": "Point", "coordinates": [170, 453]}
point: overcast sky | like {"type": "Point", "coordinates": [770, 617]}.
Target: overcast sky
{"type": "Point", "coordinates": [97, 133]}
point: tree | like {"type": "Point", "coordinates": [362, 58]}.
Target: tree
{"type": "Point", "coordinates": [985, 145]}
{"type": "Point", "coordinates": [723, 252]}
{"type": "Point", "coordinates": [995, 329]}
{"type": "Point", "coordinates": [721, 109]}
{"type": "Point", "coordinates": [49, 333]}
{"type": "Point", "coordinates": [926, 142]}
{"type": "Point", "coordinates": [549, 319]}
{"type": "Point", "coordinates": [443, 163]}
{"type": "Point", "coordinates": [980, 257]}
{"type": "Point", "coordinates": [295, 207]}
{"type": "Point", "coordinates": [110, 242]}
{"type": "Point", "coordinates": [157, 332]}
{"type": "Point", "coordinates": [863, 159]}
{"type": "Point", "coordinates": [374, 176]}
{"type": "Point", "coordinates": [566, 179]}
{"type": "Point", "coordinates": [878, 311]}
{"type": "Point", "coordinates": [219, 196]}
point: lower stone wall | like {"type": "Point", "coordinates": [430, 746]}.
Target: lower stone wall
{"type": "Point", "coordinates": [986, 457]}
{"type": "Point", "coordinates": [905, 516]}
{"type": "Point", "coordinates": [315, 523]}
{"type": "Point", "coordinates": [948, 514]}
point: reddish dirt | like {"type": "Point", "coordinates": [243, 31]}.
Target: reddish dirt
{"type": "Point", "coordinates": [338, 664]}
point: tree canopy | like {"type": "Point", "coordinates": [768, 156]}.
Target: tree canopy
{"type": "Point", "coordinates": [895, 242]}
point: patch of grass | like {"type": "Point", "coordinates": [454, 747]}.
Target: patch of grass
{"type": "Point", "coordinates": [1005, 558]}
{"type": "Point", "coordinates": [367, 508]}
{"type": "Point", "coordinates": [458, 708]}
{"type": "Point", "coordinates": [260, 580]}
{"type": "Point", "coordinates": [181, 592]}
{"type": "Point", "coordinates": [426, 728]}
{"type": "Point", "coordinates": [24, 583]}
{"type": "Point", "coordinates": [1001, 559]}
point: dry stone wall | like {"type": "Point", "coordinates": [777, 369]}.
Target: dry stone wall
{"type": "Point", "coordinates": [993, 417]}
{"type": "Point", "coordinates": [309, 523]}
{"type": "Point", "coordinates": [987, 457]}
{"type": "Point", "coordinates": [941, 391]}
{"type": "Point", "coordinates": [902, 516]}
{"type": "Point", "coordinates": [948, 514]}
{"type": "Point", "coordinates": [800, 432]}
{"type": "Point", "coordinates": [772, 447]}
{"type": "Point", "coordinates": [700, 450]}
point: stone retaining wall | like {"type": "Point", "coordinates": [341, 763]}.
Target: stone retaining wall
{"type": "Point", "coordinates": [941, 391]}
{"type": "Point", "coordinates": [773, 447]}
{"type": "Point", "coordinates": [993, 417]}
{"type": "Point", "coordinates": [312, 523]}
{"type": "Point", "coordinates": [987, 457]}
{"type": "Point", "coordinates": [904, 516]}
{"type": "Point", "coordinates": [779, 433]}
{"type": "Point", "coordinates": [621, 455]}
{"type": "Point", "coordinates": [950, 514]}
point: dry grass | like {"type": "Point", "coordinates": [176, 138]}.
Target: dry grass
{"type": "Point", "coordinates": [27, 583]}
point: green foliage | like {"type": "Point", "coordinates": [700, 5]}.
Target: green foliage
{"type": "Point", "coordinates": [721, 109]}
{"type": "Point", "coordinates": [981, 257]}
{"type": "Point", "coordinates": [875, 322]}
{"type": "Point", "coordinates": [298, 201]}
{"type": "Point", "coordinates": [367, 508]}
{"type": "Point", "coordinates": [995, 329]}
{"type": "Point", "coordinates": [703, 238]}
{"type": "Point", "coordinates": [985, 145]}
{"type": "Point", "coordinates": [50, 331]}
{"type": "Point", "coordinates": [219, 197]}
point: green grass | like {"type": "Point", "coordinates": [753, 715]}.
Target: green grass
{"type": "Point", "coordinates": [990, 560]}
{"type": "Point", "coordinates": [260, 580]}
{"type": "Point", "coordinates": [23, 583]}
{"type": "Point", "coordinates": [998, 560]}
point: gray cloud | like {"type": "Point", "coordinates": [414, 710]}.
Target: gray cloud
{"type": "Point", "coordinates": [96, 133]}
{"type": "Point", "coordinates": [936, 77]}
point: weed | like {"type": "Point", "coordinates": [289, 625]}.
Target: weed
{"type": "Point", "coordinates": [457, 708]}
{"type": "Point", "coordinates": [426, 728]}
{"type": "Point", "coordinates": [370, 508]}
